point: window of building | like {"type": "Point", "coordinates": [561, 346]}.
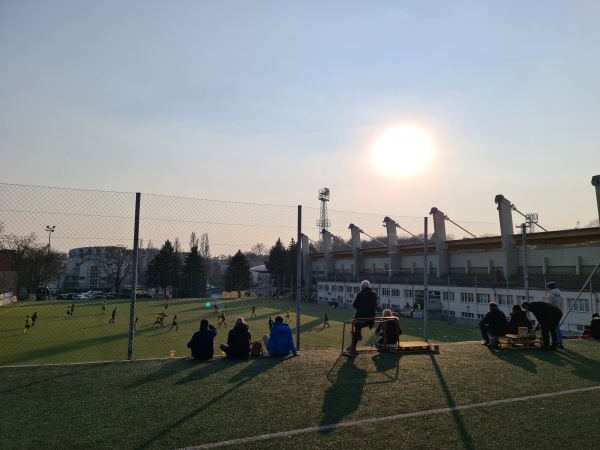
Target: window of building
{"type": "Point", "coordinates": [408, 293]}
{"type": "Point", "coordinates": [448, 313]}
{"type": "Point", "coordinates": [483, 298]}
{"type": "Point", "coordinates": [467, 297]}
{"type": "Point", "coordinates": [395, 292]}
{"type": "Point", "coordinates": [504, 299]}
{"type": "Point", "coordinates": [581, 305]}
{"type": "Point", "coordinates": [385, 291]}
{"type": "Point", "coordinates": [467, 315]}
{"type": "Point", "coordinates": [448, 296]}
{"type": "Point", "coordinates": [340, 288]}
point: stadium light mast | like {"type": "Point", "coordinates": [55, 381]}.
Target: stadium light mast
{"type": "Point", "coordinates": [50, 230]}
{"type": "Point", "coordinates": [323, 223]}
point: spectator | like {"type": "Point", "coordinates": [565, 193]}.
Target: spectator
{"type": "Point", "coordinates": [493, 325]}
{"type": "Point", "coordinates": [593, 329]}
{"type": "Point", "coordinates": [389, 330]}
{"type": "Point", "coordinates": [548, 318]}
{"type": "Point", "coordinates": [366, 308]}
{"type": "Point", "coordinates": [518, 318]}
{"type": "Point", "coordinates": [280, 341]}
{"type": "Point", "coordinates": [238, 340]}
{"type": "Point", "coordinates": [555, 299]}
{"type": "Point", "coordinates": [202, 343]}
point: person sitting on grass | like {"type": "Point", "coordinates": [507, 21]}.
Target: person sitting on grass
{"type": "Point", "coordinates": [238, 340]}
{"type": "Point", "coordinates": [280, 341]}
{"type": "Point", "coordinates": [493, 325]}
{"type": "Point", "coordinates": [202, 343]}
{"type": "Point", "coordinates": [593, 329]}
{"type": "Point", "coordinates": [518, 319]}
{"type": "Point", "coordinates": [389, 330]}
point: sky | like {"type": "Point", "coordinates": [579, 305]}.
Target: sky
{"type": "Point", "coordinates": [268, 101]}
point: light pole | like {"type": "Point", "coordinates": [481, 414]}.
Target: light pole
{"type": "Point", "coordinates": [50, 230]}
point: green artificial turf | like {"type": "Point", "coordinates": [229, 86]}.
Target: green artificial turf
{"type": "Point", "coordinates": [87, 335]}
{"type": "Point", "coordinates": [167, 404]}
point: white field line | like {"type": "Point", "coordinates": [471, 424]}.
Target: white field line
{"type": "Point", "coordinates": [282, 434]}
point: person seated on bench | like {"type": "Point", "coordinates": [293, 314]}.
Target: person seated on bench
{"type": "Point", "coordinates": [389, 330]}
{"type": "Point", "coordinates": [593, 329]}
{"type": "Point", "coordinates": [493, 325]}
{"type": "Point", "coordinates": [366, 308]}
{"type": "Point", "coordinates": [280, 341]}
{"type": "Point", "coordinates": [518, 319]}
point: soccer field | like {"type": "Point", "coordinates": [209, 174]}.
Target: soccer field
{"type": "Point", "coordinates": [88, 335]}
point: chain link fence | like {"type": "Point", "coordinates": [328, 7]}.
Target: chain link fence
{"type": "Point", "coordinates": [67, 256]}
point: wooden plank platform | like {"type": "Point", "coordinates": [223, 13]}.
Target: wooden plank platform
{"type": "Point", "coordinates": [513, 341]}
{"type": "Point", "coordinates": [418, 346]}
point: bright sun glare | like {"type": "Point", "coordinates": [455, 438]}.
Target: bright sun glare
{"type": "Point", "coordinates": [402, 151]}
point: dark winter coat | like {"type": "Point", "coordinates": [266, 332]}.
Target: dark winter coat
{"type": "Point", "coordinates": [202, 343]}
{"type": "Point", "coordinates": [389, 331]}
{"type": "Point", "coordinates": [518, 319]}
{"type": "Point", "coordinates": [238, 341]}
{"type": "Point", "coordinates": [545, 313]}
{"type": "Point", "coordinates": [496, 321]}
{"type": "Point", "coordinates": [365, 304]}
{"type": "Point", "coordinates": [281, 341]}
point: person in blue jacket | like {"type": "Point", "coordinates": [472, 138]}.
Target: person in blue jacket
{"type": "Point", "coordinates": [280, 341]}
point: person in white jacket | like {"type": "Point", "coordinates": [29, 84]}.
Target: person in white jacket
{"type": "Point", "coordinates": [555, 299]}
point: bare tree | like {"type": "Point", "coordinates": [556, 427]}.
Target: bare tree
{"type": "Point", "coordinates": [194, 241]}
{"type": "Point", "coordinates": [115, 266]}
{"type": "Point", "coordinates": [258, 249]}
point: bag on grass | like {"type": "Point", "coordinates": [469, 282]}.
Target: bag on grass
{"type": "Point", "coordinates": [256, 349]}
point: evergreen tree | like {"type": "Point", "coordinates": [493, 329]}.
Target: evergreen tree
{"type": "Point", "coordinates": [237, 275]}
{"type": "Point", "coordinates": [164, 269]}
{"type": "Point", "coordinates": [278, 267]}
{"type": "Point", "coordinates": [193, 276]}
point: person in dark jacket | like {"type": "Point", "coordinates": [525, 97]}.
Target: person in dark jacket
{"type": "Point", "coordinates": [593, 329]}
{"type": "Point", "coordinates": [493, 325]}
{"type": "Point", "coordinates": [518, 318]}
{"type": "Point", "coordinates": [238, 340]}
{"type": "Point", "coordinates": [280, 341]}
{"type": "Point", "coordinates": [366, 308]}
{"type": "Point", "coordinates": [548, 317]}
{"type": "Point", "coordinates": [202, 343]}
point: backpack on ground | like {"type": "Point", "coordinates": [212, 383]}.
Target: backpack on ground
{"type": "Point", "coordinates": [256, 349]}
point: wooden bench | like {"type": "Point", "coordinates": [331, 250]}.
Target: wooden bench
{"type": "Point", "coordinates": [514, 341]}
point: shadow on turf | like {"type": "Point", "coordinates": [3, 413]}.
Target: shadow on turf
{"type": "Point", "coordinates": [460, 426]}
{"type": "Point", "coordinates": [344, 395]}
{"type": "Point", "coordinates": [253, 367]}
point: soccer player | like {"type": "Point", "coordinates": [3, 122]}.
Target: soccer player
{"type": "Point", "coordinates": [68, 313]}
{"type": "Point", "coordinates": [174, 323]}
{"type": "Point", "coordinates": [103, 306]}
{"type": "Point", "coordinates": [162, 319]}
{"type": "Point", "coordinates": [287, 315]}
{"type": "Point", "coordinates": [253, 311]}
{"type": "Point", "coordinates": [157, 320]}
{"type": "Point", "coordinates": [33, 318]}
{"type": "Point", "coordinates": [27, 324]}
{"type": "Point", "coordinates": [222, 320]}
{"type": "Point", "coordinates": [326, 322]}
{"type": "Point", "coordinates": [113, 315]}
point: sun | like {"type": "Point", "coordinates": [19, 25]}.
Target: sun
{"type": "Point", "coordinates": [402, 151]}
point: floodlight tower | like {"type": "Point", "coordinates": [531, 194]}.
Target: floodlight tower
{"type": "Point", "coordinates": [323, 222]}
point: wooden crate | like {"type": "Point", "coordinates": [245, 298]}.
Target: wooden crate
{"type": "Point", "coordinates": [514, 341]}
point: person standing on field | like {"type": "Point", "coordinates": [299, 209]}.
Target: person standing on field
{"type": "Point", "coordinates": [555, 299]}
{"type": "Point", "coordinates": [113, 315]}
{"type": "Point", "coordinates": [548, 317]}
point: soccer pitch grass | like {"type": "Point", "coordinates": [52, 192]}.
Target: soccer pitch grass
{"type": "Point", "coordinates": [87, 336]}
{"type": "Point", "coordinates": [465, 397]}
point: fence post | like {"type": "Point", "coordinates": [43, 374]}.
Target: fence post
{"type": "Point", "coordinates": [134, 274]}
{"type": "Point", "coordinates": [298, 275]}
{"type": "Point", "coordinates": [425, 279]}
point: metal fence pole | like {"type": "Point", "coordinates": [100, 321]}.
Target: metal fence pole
{"type": "Point", "coordinates": [298, 275]}
{"type": "Point", "coordinates": [425, 280]}
{"type": "Point", "coordinates": [134, 274]}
